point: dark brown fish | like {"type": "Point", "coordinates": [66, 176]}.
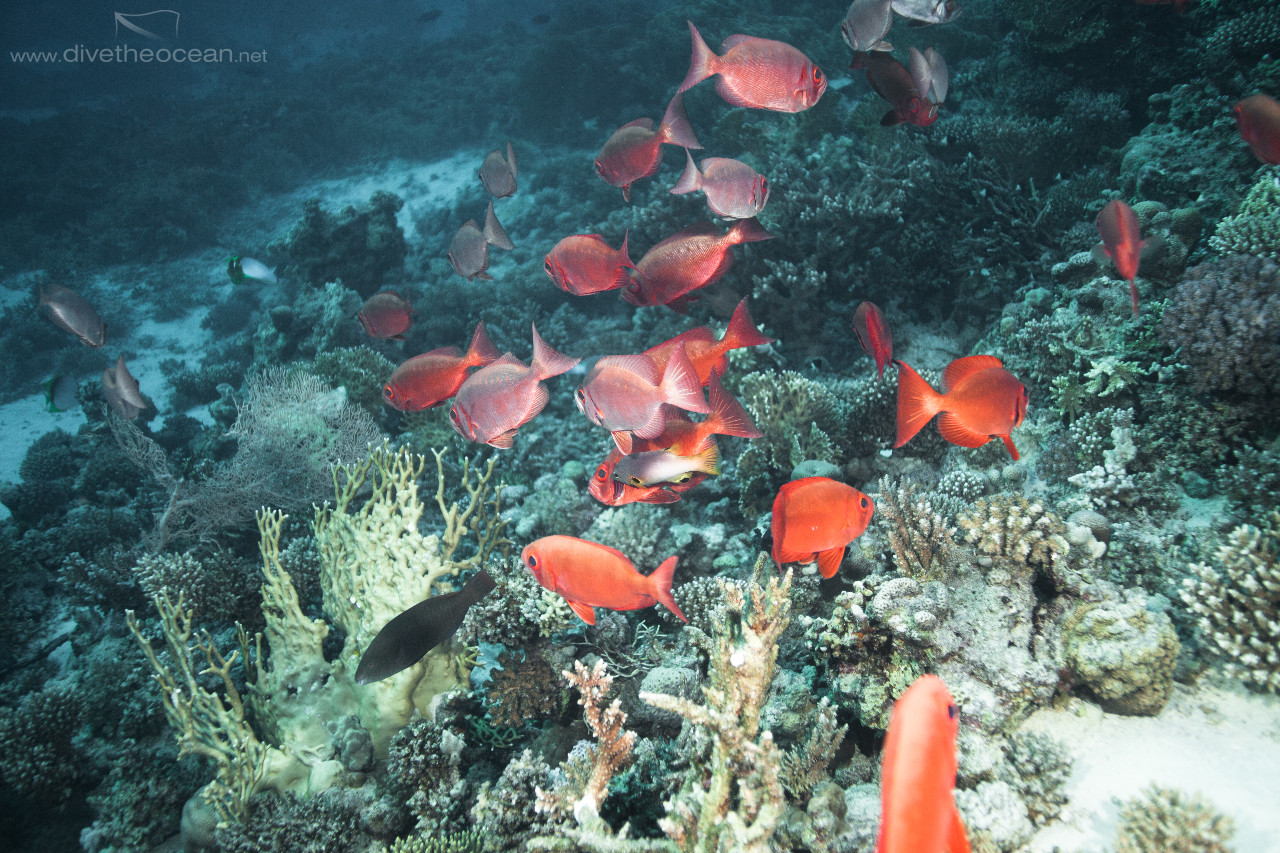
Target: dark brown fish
{"type": "Point", "coordinates": [121, 391]}
{"type": "Point", "coordinates": [72, 313]}
{"type": "Point", "coordinates": [498, 173]}
{"type": "Point", "coordinates": [469, 250]}
{"type": "Point", "coordinates": [387, 315]}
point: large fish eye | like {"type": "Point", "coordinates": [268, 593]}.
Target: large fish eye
{"type": "Point", "coordinates": [581, 395]}
{"type": "Point", "coordinates": [453, 414]}
{"type": "Point", "coordinates": [865, 502]}
{"type": "Point", "coordinates": [550, 270]}
{"type": "Point", "coordinates": [764, 186]}
{"type": "Point", "coordinates": [952, 711]}
{"type": "Point", "coordinates": [532, 562]}
{"type": "Point", "coordinates": [817, 76]}
{"type": "Point", "coordinates": [388, 392]}
{"type": "Point", "coordinates": [599, 168]}
{"type": "Point", "coordinates": [602, 473]}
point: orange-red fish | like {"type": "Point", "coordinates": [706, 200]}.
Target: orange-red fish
{"type": "Point", "coordinates": [1118, 225]}
{"type": "Point", "coordinates": [499, 398]}
{"type": "Point", "coordinates": [387, 315]}
{"type": "Point", "coordinates": [893, 82]}
{"type": "Point", "coordinates": [980, 401]}
{"type": "Point", "coordinates": [121, 391]}
{"type": "Point", "coordinates": [469, 249]}
{"type": "Point", "coordinates": [431, 378]}
{"type": "Point", "coordinates": [590, 575]}
{"type": "Point", "coordinates": [634, 151]}
{"type": "Point", "coordinates": [625, 394]}
{"type": "Point", "coordinates": [72, 313]}
{"type": "Point", "coordinates": [733, 189]}
{"type": "Point", "coordinates": [692, 258]}
{"type": "Point", "coordinates": [815, 519]}
{"type": "Point", "coordinates": [706, 353]}
{"type": "Point", "coordinates": [918, 773]}
{"type": "Point", "coordinates": [873, 333]}
{"type": "Point", "coordinates": [756, 72]}
{"type": "Point", "coordinates": [1258, 117]}
{"type": "Point", "coordinates": [604, 488]}
{"type": "Point", "coordinates": [584, 263]}
{"type": "Point", "coordinates": [498, 173]}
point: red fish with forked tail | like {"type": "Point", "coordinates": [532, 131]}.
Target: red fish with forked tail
{"type": "Point", "coordinates": [429, 379]}
{"type": "Point", "coordinates": [1118, 225]}
{"type": "Point", "coordinates": [918, 773]}
{"type": "Point", "coordinates": [756, 72]}
{"type": "Point", "coordinates": [873, 333]}
{"type": "Point", "coordinates": [815, 518]}
{"type": "Point", "coordinates": [589, 575]}
{"type": "Point", "coordinates": [634, 151]}
{"type": "Point", "coordinates": [582, 264]}
{"type": "Point", "coordinates": [981, 401]}
{"type": "Point", "coordinates": [706, 353]}
{"type": "Point", "coordinates": [626, 394]}
{"type": "Point", "coordinates": [688, 260]}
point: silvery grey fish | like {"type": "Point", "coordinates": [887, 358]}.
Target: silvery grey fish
{"type": "Point", "coordinates": [469, 249]}
{"type": "Point", "coordinates": [929, 72]}
{"type": "Point", "coordinates": [121, 391]}
{"type": "Point", "coordinates": [72, 313]}
{"type": "Point", "coordinates": [498, 174]}
{"type": "Point", "coordinates": [927, 11]}
{"type": "Point", "coordinates": [734, 190]}
{"type": "Point", "coordinates": [866, 24]}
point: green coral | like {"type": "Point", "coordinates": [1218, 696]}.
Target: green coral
{"type": "Point", "coordinates": [1255, 227]}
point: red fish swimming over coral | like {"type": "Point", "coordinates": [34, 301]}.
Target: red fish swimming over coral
{"type": "Point", "coordinates": [609, 491]}
{"type": "Point", "coordinates": [589, 575]}
{"type": "Point", "coordinates": [431, 378]}
{"type": "Point", "coordinates": [469, 249]}
{"type": "Point", "coordinates": [706, 354]}
{"type": "Point", "coordinates": [582, 264]}
{"type": "Point", "coordinates": [387, 315]}
{"type": "Point", "coordinates": [756, 72]}
{"type": "Point", "coordinates": [498, 173]}
{"type": "Point", "coordinates": [733, 189]}
{"type": "Point", "coordinates": [1118, 226]}
{"type": "Point", "coordinates": [816, 518]}
{"type": "Point", "coordinates": [1258, 117]}
{"type": "Point", "coordinates": [980, 401]}
{"type": "Point", "coordinates": [626, 394]}
{"type": "Point", "coordinates": [499, 398]}
{"type": "Point", "coordinates": [873, 334]}
{"type": "Point", "coordinates": [918, 773]}
{"type": "Point", "coordinates": [72, 313]}
{"type": "Point", "coordinates": [692, 258]}
{"type": "Point", "coordinates": [634, 151]}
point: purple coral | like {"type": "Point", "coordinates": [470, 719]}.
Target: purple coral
{"type": "Point", "coordinates": [1224, 318]}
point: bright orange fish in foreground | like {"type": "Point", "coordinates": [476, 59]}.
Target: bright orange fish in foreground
{"type": "Point", "coordinates": [689, 259]}
{"type": "Point", "coordinates": [873, 333]}
{"type": "Point", "coordinates": [590, 575]}
{"type": "Point", "coordinates": [706, 353]}
{"type": "Point", "coordinates": [1258, 117]}
{"type": "Point", "coordinates": [634, 151]}
{"type": "Point", "coordinates": [816, 518]}
{"type": "Point", "coordinates": [756, 72]}
{"type": "Point", "coordinates": [583, 264]}
{"type": "Point", "coordinates": [981, 401]}
{"type": "Point", "coordinates": [431, 378]}
{"type": "Point", "coordinates": [918, 773]}
{"type": "Point", "coordinates": [1118, 225]}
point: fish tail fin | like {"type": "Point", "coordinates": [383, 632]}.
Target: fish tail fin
{"type": "Point", "coordinates": [742, 331]}
{"type": "Point", "coordinates": [917, 403]}
{"type": "Point", "coordinates": [727, 415]}
{"type": "Point", "coordinates": [676, 128]}
{"type": "Point", "coordinates": [680, 385]}
{"type": "Point", "coordinates": [747, 231]}
{"type": "Point", "coordinates": [546, 361]}
{"type": "Point", "coordinates": [481, 350]}
{"type": "Point", "coordinates": [511, 160]}
{"type": "Point", "coordinates": [700, 64]}
{"type": "Point", "coordinates": [494, 233]}
{"type": "Point", "coordinates": [1133, 296]}
{"type": "Point", "coordinates": [624, 252]}
{"type": "Point", "coordinates": [690, 178]}
{"type": "Point", "coordinates": [662, 577]}
{"type": "Point", "coordinates": [707, 459]}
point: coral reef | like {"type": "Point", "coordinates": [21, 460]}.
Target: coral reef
{"type": "Point", "coordinates": [1018, 534]}
{"type": "Point", "coordinates": [1162, 819]}
{"type": "Point", "coordinates": [922, 542]}
{"type": "Point", "coordinates": [358, 246]}
{"type": "Point", "coordinates": [1122, 653]}
{"type": "Point", "coordinates": [1255, 228]}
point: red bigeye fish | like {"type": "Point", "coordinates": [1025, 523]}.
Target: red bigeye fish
{"type": "Point", "coordinates": [1118, 225]}
{"type": "Point", "coordinates": [634, 151]}
{"type": "Point", "coordinates": [495, 401]}
{"type": "Point", "coordinates": [708, 355]}
{"type": "Point", "coordinates": [690, 259]}
{"type": "Point", "coordinates": [431, 378]}
{"type": "Point", "coordinates": [873, 333]}
{"type": "Point", "coordinates": [590, 575]}
{"type": "Point", "coordinates": [625, 394]}
{"type": "Point", "coordinates": [734, 190]}
{"type": "Point", "coordinates": [498, 173]}
{"type": "Point", "coordinates": [582, 264]}
{"type": "Point", "coordinates": [70, 312]}
{"type": "Point", "coordinates": [981, 401]}
{"type": "Point", "coordinates": [121, 391]}
{"type": "Point", "coordinates": [866, 24]}
{"type": "Point", "coordinates": [756, 72]}
{"type": "Point", "coordinates": [387, 315]}
{"type": "Point", "coordinates": [469, 249]}
{"type": "Point", "coordinates": [893, 82]}
{"type": "Point", "coordinates": [918, 773]}
{"type": "Point", "coordinates": [1258, 117]}
{"type": "Point", "coordinates": [815, 519]}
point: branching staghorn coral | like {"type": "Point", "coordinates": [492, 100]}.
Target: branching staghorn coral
{"type": "Point", "coordinates": [921, 540]}
{"type": "Point", "coordinates": [1238, 603]}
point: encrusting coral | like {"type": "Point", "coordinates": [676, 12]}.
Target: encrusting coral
{"type": "Point", "coordinates": [1019, 534]}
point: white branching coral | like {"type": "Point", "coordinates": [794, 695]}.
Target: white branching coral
{"type": "Point", "coordinates": [1110, 484]}
{"type": "Point", "coordinates": [1237, 605]}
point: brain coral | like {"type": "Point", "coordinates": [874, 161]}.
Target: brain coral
{"type": "Point", "coordinates": [1123, 653]}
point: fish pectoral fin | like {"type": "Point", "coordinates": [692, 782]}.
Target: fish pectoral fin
{"type": "Point", "coordinates": [1008, 443]}
{"type": "Point", "coordinates": [622, 438]}
{"type": "Point", "coordinates": [782, 556]}
{"type": "Point", "coordinates": [957, 838]}
{"type": "Point", "coordinates": [503, 440]}
{"type": "Point", "coordinates": [585, 612]}
{"type": "Point", "coordinates": [829, 561]}
{"type": "Point", "coordinates": [958, 434]}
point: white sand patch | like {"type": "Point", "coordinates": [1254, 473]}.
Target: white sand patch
{"type": "Point", "coordinates": [1223, 744]}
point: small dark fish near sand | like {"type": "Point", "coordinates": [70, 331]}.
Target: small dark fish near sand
{"type": "Point", "coordinates": [498, 173]}
{"type": "Point", "coordinates": [71, 313]}
{"type": "Point", "coordinates": [469, 249]}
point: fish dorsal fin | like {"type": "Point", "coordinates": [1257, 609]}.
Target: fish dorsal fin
{"type": "Point", "coordinates": [962, 368]}
{"type": "Point", "coordinates": [509, 360]}
{"type": "Point", "coordinates": [638, 364]}
{"type": "Point", "coordinates": [585, 612]}
{"type": "Point", "coordinates": [733, 41]}
{"type": "Point", "coordinates": [646, 123]}
{"type": "Point", "coordinates": [494, 233]}
{"type": "Point", "coordinates": [829, 561]}
{"type": "Point", "coordinates": [958, 434]}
